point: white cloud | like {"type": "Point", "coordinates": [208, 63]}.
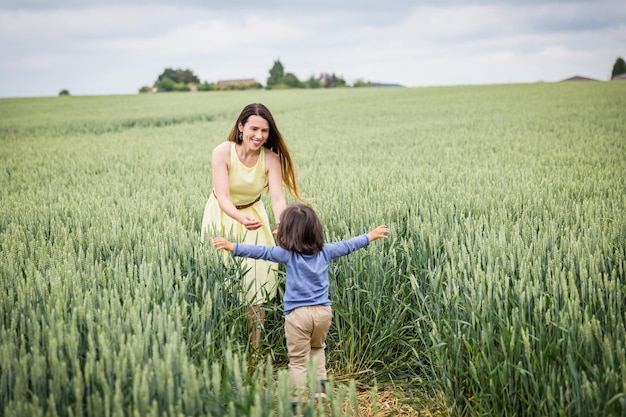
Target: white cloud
{"type": "Point", "coordinates": [118, 48]}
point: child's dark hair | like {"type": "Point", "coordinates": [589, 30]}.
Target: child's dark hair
{"type": "Point", "coordinates": [300, 230]}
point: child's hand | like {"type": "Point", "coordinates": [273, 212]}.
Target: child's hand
{"type": "Point", "coordinates": [380, 232]}
{"type": "Point", "coordinates": [221, 243]}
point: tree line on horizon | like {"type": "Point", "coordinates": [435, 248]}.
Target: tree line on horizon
{"type": "Point", "coordinates": [619, 68]}
{"type": "Point", "coordinates": [185, 80]}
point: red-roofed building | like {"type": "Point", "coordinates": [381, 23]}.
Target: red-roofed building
{"type": "Point", "coordinates": [243, 82]}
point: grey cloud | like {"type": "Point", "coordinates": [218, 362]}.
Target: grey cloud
{"type": "Point", "coordinates": [115, 46]}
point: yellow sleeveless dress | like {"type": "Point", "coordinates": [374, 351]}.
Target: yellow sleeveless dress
{"type": "Point", "coordinates": [246, 185]}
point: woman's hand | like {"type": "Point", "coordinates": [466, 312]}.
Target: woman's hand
{"type": "Point", "coordinates": [221, 243]}
{"type": "Point", "coordinates": [251, 223]}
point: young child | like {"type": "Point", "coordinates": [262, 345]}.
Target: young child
{"type": "Point", "coordinates": [307, 309]}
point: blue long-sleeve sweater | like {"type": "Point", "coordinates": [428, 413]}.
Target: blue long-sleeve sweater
{"type": "Point", "coordinates": [307, 275]}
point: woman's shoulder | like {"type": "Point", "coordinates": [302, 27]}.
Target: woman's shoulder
{"type": "Point", "coordinates": [271, 157]}
{"type": "Point", "coordinates": [223, 149]}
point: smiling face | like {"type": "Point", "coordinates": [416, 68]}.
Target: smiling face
{"type": "Point", "coordinates": [255, 132]}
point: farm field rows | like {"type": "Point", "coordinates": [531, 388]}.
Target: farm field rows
{"type": "Point", "coordinates": [501, 290]}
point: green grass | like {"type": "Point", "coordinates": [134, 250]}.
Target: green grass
{"type": "Point", "coordinates": [501, 288]}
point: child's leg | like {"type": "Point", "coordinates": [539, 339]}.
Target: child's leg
{"type": "Point", "coordinates": [298, 328]}
{"type": "Point", "coordinates": [322, 318]}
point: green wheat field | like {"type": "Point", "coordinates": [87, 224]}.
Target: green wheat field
{"type": "Point", "coordinates": [501, 290]}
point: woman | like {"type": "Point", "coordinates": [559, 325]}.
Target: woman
{"type": "Point", "coordinates": [253, 159]}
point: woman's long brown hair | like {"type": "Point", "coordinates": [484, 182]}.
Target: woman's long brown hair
{"type": "Point", "coordinates": [274, 143]}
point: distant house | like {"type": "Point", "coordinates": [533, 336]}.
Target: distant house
{"type": "Point", "coordinates": [579, 78]}
{"type": "Point", "coordinates": [619, 77]}
{"type": "Point", "coordinates": [242, 82]}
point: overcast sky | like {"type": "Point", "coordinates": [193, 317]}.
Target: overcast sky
{"type": "Point", "coordinates": [93, 47]}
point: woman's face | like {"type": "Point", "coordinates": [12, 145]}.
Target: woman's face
{"type": "Point", "coordinates": [255, 131]}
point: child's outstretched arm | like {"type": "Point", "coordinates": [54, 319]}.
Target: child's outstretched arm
{"type": "Point", "coordinates": [268, 253]}
{"type": "Point", "coordinates": [221, 243]}
{"type": "Point", "coordinates": [381, 232]}
{"type": "Point", "coordinates": [344, 247]}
